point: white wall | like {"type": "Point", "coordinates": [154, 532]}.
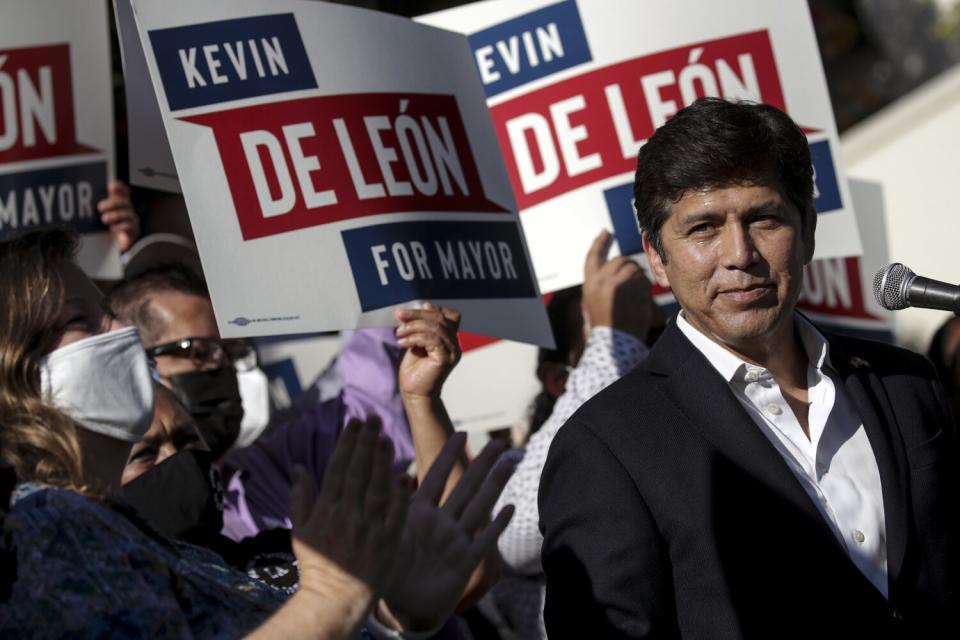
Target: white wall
{"type": "Point", "coordinates": [913, 149]}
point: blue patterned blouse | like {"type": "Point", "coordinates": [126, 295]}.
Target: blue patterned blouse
{"type": "Point", "coordinates": [85, 569]}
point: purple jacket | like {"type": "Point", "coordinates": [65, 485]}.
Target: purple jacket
{"type": "Point", "coordinates": [258, 478]}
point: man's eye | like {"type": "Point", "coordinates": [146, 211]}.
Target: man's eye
{"type": "Point", "coordinates": [769, 220]}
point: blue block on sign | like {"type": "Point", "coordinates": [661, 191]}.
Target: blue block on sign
{"type": "Point", "coordinates": [826, 178]}
{"type": "Point", "coordinates": [530, 46]}
{"type": "Point", "coordinates": [401, 261]}
{"type": "Point", "coordinates": [215, 62]}
{"type": "Point", "coordinates": [65, 196]}
{"type": "Point", "coordinates": [620, 205]}
{"type": "Point", "coordinates": [284, 371]}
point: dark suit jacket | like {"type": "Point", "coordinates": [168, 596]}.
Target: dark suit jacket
{"type": "Point", "coordinates": [667, 513]}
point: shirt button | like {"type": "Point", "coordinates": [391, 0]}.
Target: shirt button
{"type": "Point", "coordinates": [858, 536]}
{"type": "Point", "coordinates": [774, 409]}
{"type": "Point", "coordinates": [752, 376]}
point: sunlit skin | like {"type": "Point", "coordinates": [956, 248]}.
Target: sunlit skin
{"type": "Point", "coordinates": [734, 257]}
{"type": "Point", "coordinates": [172, 431]}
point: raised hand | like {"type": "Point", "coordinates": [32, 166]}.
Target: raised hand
{"type": "Point", "coordinates": [116, 212]}
{"type": "Point", "coordinates": [442, 546]}
{"type": "Point", "coordinates": [616, 293]}
{"type": "Point", "coordinates": [429, 336]}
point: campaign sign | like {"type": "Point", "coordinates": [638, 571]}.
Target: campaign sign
{"type": "Point", "coordinates": [575, 88]}
{"type": "Point", "coordinates": [333, 174]}
{"type": "Point", "coordinates": [56, 123]}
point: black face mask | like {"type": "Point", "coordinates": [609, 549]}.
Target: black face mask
{"type": "Point", "coordinates": [182, 497]}
{"type": "Point", "coordinates": [213, 400]}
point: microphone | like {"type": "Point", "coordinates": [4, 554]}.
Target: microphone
{"type": "Point", "coordinates": [897, 287]}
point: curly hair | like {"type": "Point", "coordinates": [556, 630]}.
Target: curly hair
{"type": "Point", "coordinates": [37, 440]}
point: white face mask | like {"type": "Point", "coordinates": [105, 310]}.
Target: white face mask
{"type": "Point", "coordinates": [255, 397]}
{"type": "Point", "coordinates": [103, 383]}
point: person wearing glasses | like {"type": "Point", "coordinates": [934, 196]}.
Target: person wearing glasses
{"type": "Point", "coordinates": [210, 376]}
{"type": "Point", "coordinates": [170, 306]}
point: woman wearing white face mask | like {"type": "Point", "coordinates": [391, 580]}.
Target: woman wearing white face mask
{"type": "Point", "coordinates": [67, 363]}
{"type": "Point", "coordinates": [75, 391]}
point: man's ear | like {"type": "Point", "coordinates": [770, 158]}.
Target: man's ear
{"type": "Point", "coordinates": [656, 262]}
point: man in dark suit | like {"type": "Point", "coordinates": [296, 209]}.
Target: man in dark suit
{"type": "Point", "coordinates": [753, 478]}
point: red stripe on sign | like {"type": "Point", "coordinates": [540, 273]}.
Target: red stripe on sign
{"type": "Point", "coordinates": [588, 128]}
{"type": "Point", "coordinates": [303, 163]}
{"type": "Point", "coordinates": [36, 104]}
{"type": "Point", "coordinates": [471, 341]}
{"type": "Point", "coordinates": [834, 287]}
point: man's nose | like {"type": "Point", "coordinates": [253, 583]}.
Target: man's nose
{"type": "Point", "coordinates": [737, 248]}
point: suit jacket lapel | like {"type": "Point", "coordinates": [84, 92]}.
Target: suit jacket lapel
{"type": "Point", "coordinates": [703, 396]}
{"type": "Point", "coordinates": [869, 396]}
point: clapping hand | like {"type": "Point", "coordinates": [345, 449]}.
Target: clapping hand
{"type": "Point", "coordinates": [346, 535]}
{"type": "Point", "coordinates": [442, 545]}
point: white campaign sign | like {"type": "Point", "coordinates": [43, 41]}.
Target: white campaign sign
{"type": "Point", "coordinates": [336, 163]}
{"type": "Point", "coordinates": [56, 123]}
{"type": "Point", "coordinates": [576, 87]}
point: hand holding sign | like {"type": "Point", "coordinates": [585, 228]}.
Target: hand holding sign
{"type": "Point", "coordinates": [116, 212]}
{"type": "Point", "coordinates": [429, 336]}
{"type": "Point", "coordinates": [615, 291]}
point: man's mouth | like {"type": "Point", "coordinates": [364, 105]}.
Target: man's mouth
{"type": "Point", "coordinates": [747, 294]}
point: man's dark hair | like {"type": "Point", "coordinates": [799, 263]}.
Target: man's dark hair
{"type": "Point", "coordinates": [714, 143]}
{"type": "Point", "coordinates": [131, 299]}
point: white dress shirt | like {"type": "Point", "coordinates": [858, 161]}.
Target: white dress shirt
{"type": "Point", "coordinates": [835, 465]}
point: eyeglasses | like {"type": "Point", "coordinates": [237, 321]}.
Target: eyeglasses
{"type": "Point", "coordinates": [205, 352]}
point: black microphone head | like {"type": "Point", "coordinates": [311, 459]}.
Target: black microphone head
{"type": "Point", "coordinates": [890, 286]}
